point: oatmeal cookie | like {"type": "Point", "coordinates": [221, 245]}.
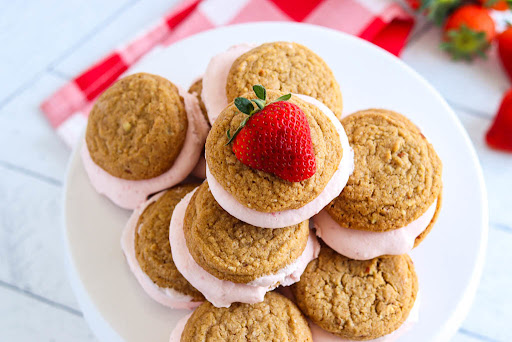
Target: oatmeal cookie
{"type": "Point", "coordinates": [137, 127]}
{"type": "Point", "coordinates": [234, 250]}
{"type": "Point", "coordinates": [397, 174]}
{"type": "Point", "coordinates": [357, 300]}
{"type": "Point", "coordinates": [288, 67]}
{"type": "Point", "coordinates": [152, 248]}
{"type": "Point", "coordinates": [276, 319]}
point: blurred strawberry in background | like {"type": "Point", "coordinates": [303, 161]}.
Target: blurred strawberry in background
{"type": "Point", "coordinates": [468, 26]}
{"type": "Point", "coordinates": [499, 135]}
{"type": "Point", "coordinates": [415, 4]}
{"type": "Point", "coordinates": [468, 32]}
{"type": "Point", "coordinates": [505, 50]}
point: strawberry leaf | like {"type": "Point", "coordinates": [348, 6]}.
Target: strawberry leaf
{"type": "Point", "coordinates": [465, 43]}
{"type": "Point", "coordinates": [242, 125]}
{"type": "Point", "coordinates": [244, 105]}
{"type": "Point", "coordinates": [438, 10]}
{"type": "Point", "coordinates": [260, 103]}
{"type": "Point", "coordinates": [490, 3]}
{"type": "Point", "coordinates": [260, 91]}
{"type": "Point", "coordinates": [283, 98]}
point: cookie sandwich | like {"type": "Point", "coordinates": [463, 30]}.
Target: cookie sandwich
{"type": "Point", "coordinates": [143, 135]}
{"type": "Point", "coordinates": [196, 89]}
{"type": "Point", "coordinates": [230, 261]}
{"type": "Point", "coordinates": [145, 243]}
{"type": "Point", "coordinates": [356, 300]}
{"type": "Point", "coordinates": [283, 66]}
{"type": "Point", "coordinates": [275, 159]}
{"type": "Point", "coordinates": [274, 319]}
{"type": "Point", "coordinates": [393, 198]}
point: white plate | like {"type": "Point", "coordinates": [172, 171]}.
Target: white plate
{"type": "Point", "coordinates": [449, 262]}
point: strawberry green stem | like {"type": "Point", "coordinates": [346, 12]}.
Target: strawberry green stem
{"type": "Point", "coordinates": [245, 106]}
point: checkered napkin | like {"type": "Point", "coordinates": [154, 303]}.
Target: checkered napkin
{"type": "Point", "coordinates": [382, 22]}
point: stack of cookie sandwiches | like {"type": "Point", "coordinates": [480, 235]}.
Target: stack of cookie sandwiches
{"type": "Point", "coordinates": [229, 260]}
{"type": "Point", "coordinates": [294, 224]}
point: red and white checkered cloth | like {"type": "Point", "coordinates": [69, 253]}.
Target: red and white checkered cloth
{"type": "Point", "coordinates": [382, 22]}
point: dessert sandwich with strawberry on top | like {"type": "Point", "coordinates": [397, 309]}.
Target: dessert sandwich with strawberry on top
{"type": "Point", "coordinates": [276, 159]}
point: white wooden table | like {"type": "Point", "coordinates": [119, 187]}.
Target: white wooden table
{"type": "Point", "coordinates": [46, 43]}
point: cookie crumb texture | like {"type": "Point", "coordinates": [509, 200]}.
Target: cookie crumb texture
{"type": "Point", "coordinates": [263, 191]}
{"type": "Point", "coordinates": [397, 173]}
{"type": "Point", "coordinates": [137, 127]}
{"type": "Point", "coordinates": [152, 247]}
{"type": "Point", "coordinates": [197, 89]}
{"type": "Point", "coordinates": [288, 67]}
{"type": "Point", "coordinates": [276, 319]}
{"type": "Point", "coordinates": [357, 300]}
{"type": "Point", "coordinates": [233, 250]}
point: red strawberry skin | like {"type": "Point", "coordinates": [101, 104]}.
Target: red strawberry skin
{"type": "Point", "coordinates": [415, 4]}
{"type": "Point", "coordinates": [474, 17]}
{"type": "Point", "coordinates": [277, 140]}
{"type": "Point", "coordinates": [505, 50]}
{"type": "Point", "coordinates": [499, 135]}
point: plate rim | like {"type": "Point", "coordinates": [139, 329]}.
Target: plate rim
{"type": "Point", "coordinates": [100, 326]}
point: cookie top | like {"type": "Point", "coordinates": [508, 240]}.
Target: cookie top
{"type": "Point", "coordinates": [275, 319]}
{"type": "Point", "coordinates": [263, 191]}
{"type": "Point", "coordinates": [233, 250]}
{"type": "Point", "coordinates": [197, 89]}
{"type": "Point", "coordinates": [152, 247]}
{"type": "Point", "coordinates": [397, 174]}
{"type": "Point", "coordinates": [357, 300]}
{"type": "Point", "coordinates": [137, 127]}
{"type": "Point", "coordinates": [288, 67]}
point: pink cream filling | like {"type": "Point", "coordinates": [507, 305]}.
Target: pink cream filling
{"type": "Point", "coordinates": [178, 329]}
{"type": "Point", "coordinates": [221, 293]}
{"type": "Point", "coordinates": [320, 335]}
{"type": "Point", "coordinates": [365, 245]}
{"type": "Point", "coordinates": [215, 79]}
{"type": "Point", "coordinates": [165, 296]}
{"type": "Point", "coordinates": [129, 194]}
{"type": "Point", "coordinates": [291, 217]}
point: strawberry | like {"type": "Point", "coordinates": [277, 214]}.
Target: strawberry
{"type": "Point", "coordinates": [499, 135]}
{"type": "Point", "coordinates": [498, 5]}
{"type": "Point", "coordinates": [505, 50]}
{"type": "Point", "coordinates": [414, 4]}
{"type": "Point", "coordinates": [274, 137]}
{"type": "Point", "coordinates": [468, 32]}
